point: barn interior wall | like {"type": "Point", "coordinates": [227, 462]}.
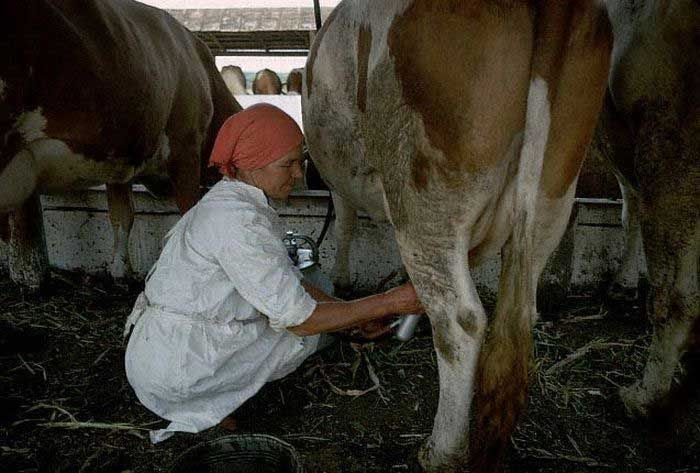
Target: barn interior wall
{"type": "Point", "coordinates": [79, 237]}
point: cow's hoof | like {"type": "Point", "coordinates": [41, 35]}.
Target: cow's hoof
{"type": "Point", "coordinates": [31, 281]}
{"type": "Point", "coordinates": [636, 401]}
{"type": "Point", "coordinates": [120, 270]}
{"type": "Point", "coordinates": [425, 456]}
{"type": "Point", "coordinates": [617, 293]}
{"type": "Point", "coordinates": [123, 277]}
{"type": "Point", "coordinates": [434, 462]}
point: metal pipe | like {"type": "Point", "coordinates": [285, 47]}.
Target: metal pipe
{"type": "Point", "coordinates": [317, 14]}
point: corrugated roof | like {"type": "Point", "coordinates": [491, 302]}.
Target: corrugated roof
{"type": "Point", "coordinates": [249, 19]}
{"type": "Point", "coordinates": [234, 31]}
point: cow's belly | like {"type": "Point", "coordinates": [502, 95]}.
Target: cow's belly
{"type": "Point", "coordinates": [494, 225]}
{"type": "Point", "coordinates": [371, 200]}
{"type": "Point", "coordinates": [59, 169]}
{"type": "Point", "coordinates": [50, 166]}
{"type": "Point", "coordinates": [492, 228]}
{"type": "Point", "coordinates": [42, 162]}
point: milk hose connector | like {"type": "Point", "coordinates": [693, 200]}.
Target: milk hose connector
{"type": "Point", "coordinates": [301, 257]}
{"type": "Point", "coordinates": [406, 326]}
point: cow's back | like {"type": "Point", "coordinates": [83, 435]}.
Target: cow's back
{"type": "Point", "coordinates": [408, 92]}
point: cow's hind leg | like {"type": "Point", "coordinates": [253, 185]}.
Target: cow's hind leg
{"type": "Point", "coordinates": [344, 230]}
{"type": "Point", "coordinates": [184, 170]}
{"type": "Point", "coordinates": [668, 169]}
{"type": "Point", "coordinates": [624, 285]}
{"type": "Point", "coordinates": [5, 227]}
{"type": "Point", "coordinates": [435, 256]}
{"type": "Point", "coordinates": [28, 260]}
{"type": "Point", "coordinates": [671, 235]}
{"type": "Point", "coordinates": [121, 215]}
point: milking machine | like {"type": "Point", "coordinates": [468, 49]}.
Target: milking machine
{"type": "Point", "coordinates": [406, 326]}
{"type": "Point", "coordinates": [303, 251]}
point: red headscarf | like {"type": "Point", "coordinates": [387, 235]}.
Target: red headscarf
{"type": "Point", "coordinates": [253, 138]}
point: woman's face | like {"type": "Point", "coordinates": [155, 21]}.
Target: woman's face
{"type": "Point", "coordinates": [277, 178]}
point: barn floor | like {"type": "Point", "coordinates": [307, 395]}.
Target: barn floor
{"type": "Point", "coordinates": [67, 407]}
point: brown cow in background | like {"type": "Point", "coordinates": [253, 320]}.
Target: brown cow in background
{"type": "Point", "coordinates": [294, 81]}
{"type": "Point", "coordinates": [267, 82]}
{"type": "Point", "coordinates": [651, 131]}
{"type": "Point", "coordinates": [95, 92]}
{"type": "Point", "coordinates": [235, 79]}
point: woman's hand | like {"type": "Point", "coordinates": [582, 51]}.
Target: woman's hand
{"type": "Point", "coordinates": [371, 331]}
{"type": "Point", "coordinates": [405, 299]}
{"type": "Point", "coordinates": [377, 329]}
{"type": "Point", "coordinates": [336, 316]}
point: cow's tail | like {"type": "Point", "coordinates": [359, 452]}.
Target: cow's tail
{"type": "Point", "coordinates": [503, 372]}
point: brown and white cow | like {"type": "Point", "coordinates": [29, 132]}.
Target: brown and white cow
{"type": "Point", "coordinates": [486, 162]}
{"type": "Point", "coordinates": [96, 92]}
{"type": "Point", "coordinates": [652, 121]}
{"type": "Point", "coordinates": [235, 79]}
{"type": "Point", "coordinates": [294, 81]}
{"type": "Point", "coordinates": [267, 82]}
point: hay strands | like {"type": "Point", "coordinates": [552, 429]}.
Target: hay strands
{"type": "Point", "coordinates": [92, 425]}
{"type": "Point", "coordinates": [581, 352]}
{"type": "Point", "coordinates": [376, 385]}
{"type": "Point", "coordinates": [543, 454]}
{"type": "Point", "coordinates": [54, 408]}
{"type": "Point", "coordinates": [350, 392]}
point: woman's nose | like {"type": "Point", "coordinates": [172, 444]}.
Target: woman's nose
{"type": "Point", "coordinates": [297, 171]}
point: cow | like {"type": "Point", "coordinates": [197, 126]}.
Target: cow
{"type": "Point", "coordinates": [623, 287]}
{"type": "Point", "coordinates": [651, 121]}
{"type": "Point", "coordinates": [95, 92]}
{"type": "Point", "coordinates": [294, 81]}
{"type": "Point", "coordinates": [267, 82]}
{"type": "Point", "coordinates": [234, 79]}
{"type": "Point", "coordinates": [487, 162]}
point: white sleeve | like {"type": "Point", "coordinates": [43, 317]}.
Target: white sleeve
{"type": "Point", "coordinates": [256, 261]}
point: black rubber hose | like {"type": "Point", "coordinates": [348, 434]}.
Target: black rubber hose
{"type": "Point", "coordinates": [326, 223]}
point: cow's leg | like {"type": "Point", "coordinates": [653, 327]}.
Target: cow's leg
{"type": "Point", "coordinates": [28, 260]}
{"type": "Point", "coordinates": [436, 259]}
{"type": "Point", "coordinates": [344, 230]}
{"type": "Point", "coordinates": [670, 220]}
{"type": "Point", "coordinates": [555, 281]}
{"type": "Point", "coordinates": [672, 245]}
{"type": "Point", "coordinates": [120, 201]}
{"type": "Point", "coordinates": [5, 227]}
{"type": "Point", "coordinates": [624, 285]}
{"type": "Point", "coordinates": [184, 171]}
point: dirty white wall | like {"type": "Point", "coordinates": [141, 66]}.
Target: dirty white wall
{"type": "Point", "coordinates": [79, 236]}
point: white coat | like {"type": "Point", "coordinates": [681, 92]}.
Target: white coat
{"type": "Point", "coordinates": [210, 328]}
